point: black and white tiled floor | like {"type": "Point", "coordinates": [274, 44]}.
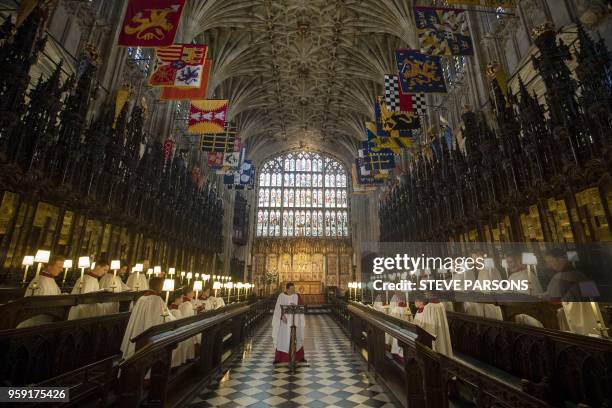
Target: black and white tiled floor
{"type": "Point", "coordinates": [335, 377]}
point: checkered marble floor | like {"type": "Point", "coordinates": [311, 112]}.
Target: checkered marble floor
{"type": "Point", "coordinates": [335, 377]}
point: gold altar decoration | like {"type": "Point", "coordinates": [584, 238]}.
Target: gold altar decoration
{"type": "Point", "coordinates": [592, 215]}
{"type": "Point", "coordinates": [324, 261]}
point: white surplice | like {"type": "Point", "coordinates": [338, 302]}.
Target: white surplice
{"type": "Point", "coordinates": [106, 282]}
{"type": "Point", "coordinates": [143, 283]}
{"type": "Point", "coordinates": [90, 285]}
{"type": "Point", "coordinates": [149, 310]}
{"type": "Point", "coordinates": [433, 320]}
{"type": "Point", "coordinates": [187, 309]}
{"type": "Point", "coordinates": [534, 289]}
{"type": "Point", "coordinates": [45, 286]}
{"type": "Point", "coordinates": [580, 318]}
{"type": "Point", "coordinates": [185, 350]}
{"type": "Point", "coordinates": [281, 331]}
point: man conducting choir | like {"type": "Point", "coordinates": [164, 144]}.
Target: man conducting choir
{"type": "Point", "coordinates": [281, 327]}
{"type": "Point", "coordinates": [90, 284]}
{"type": "Point", "coordinates": [44, 285]}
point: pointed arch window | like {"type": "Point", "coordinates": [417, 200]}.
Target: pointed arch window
{"type": "Point", "coordinates": [302, 194]}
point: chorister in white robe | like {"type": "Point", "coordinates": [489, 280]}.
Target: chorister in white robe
{"type": "Point", "coordinates": [112, 283]}
{"type": "Point", "coordinates": [580, 318]}
{"type": "Point", "coordinates": [187, 309]}
{"type": "Point", "coordinates": [186, 349]}
{"type": "Point", "coordinates": [281, 329]}
{"type": "Point", "coordinates": [45, 286]}
{"type": "Point", "coordinates": [143, 283]}
{"type": "Point", "coordinates": [534, 289]}
{"type": "Point", "coordinates": [433, 320]}
{"type": "Point", "coordinates": [149, 310]}
{"type": "Point", "coordinates": [90, 284]}
{"type": "Point", "coordinates": [488, 310]}
{"type": "Point", "coordinates": [577, 317]}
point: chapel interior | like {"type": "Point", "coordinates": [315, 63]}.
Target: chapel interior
{"type": "Point", "coordinates": [209, 157]}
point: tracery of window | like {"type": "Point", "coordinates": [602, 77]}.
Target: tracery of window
{"type": "Point", "coordinates": [302, 194]}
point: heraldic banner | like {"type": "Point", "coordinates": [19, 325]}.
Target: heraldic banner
{"type": "Point", "coordinates": [180, 65]}
{"type": "Point", "coordinates": [150, 23]}
{"type": "Point", "coordinates": [207, 116]}
{"type": "Point", "coordinates": [443, 31]}
{"type": "Point", "coordinates": [419, 72]}
{"type": "Point", "coordinates": [184, 93]}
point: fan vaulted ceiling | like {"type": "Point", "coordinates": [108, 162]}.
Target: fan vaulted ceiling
{"type": "Point", "coordinates": [299, 72]}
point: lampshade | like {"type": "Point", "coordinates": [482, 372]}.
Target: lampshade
{"type": "Point", "coordinates": [168, 285]}
{"type": "Point", "coordinates": [171, 271]}
{"type": "Point", "coordinates": [42, 256]}
{"type": "Point", "coordinates": [93, 265]}
{"type": "Point", "coordinates": [572, 256]}
{"type": "Point", "coordinates": [150, 271]}
{"type": "Point", "coordinates": [489, 263]}
{"type": "Point", "coordinates": [68, 263]}
{"type": "Point", "coordinates": [157, 269]}
{"type": "Point", "coordinates": [217, 285]}
{"type": "Point", "coordinates": [229, 285]}
{"type": "Point", "coordinates": [350, 285]}
{"type": "Point", "coordinates": [529, 258]}
{"type": "Point", "coordinates": [189, 275]}
{"type": "Point", "coordinates": [84, 262]}
{"type": "Point", "coordinates": [183, 274]}
{"type": "Point", "coordinates": [138, 267]}
{"type": "Point", "coordinates": [240, 285]}
{"type": "Point", "coordinates": [197, 285]}
{"type": "Point", "coordinates": [115, 265]}
{"type": "Point", "coordinates": [197, 275]}
{"type": "Point", "coordinates": [504, 264]}
{"type": "Point", "coordinates": [359, 285]}
{"type": "Point", "coordinates": [28, 260]}
{"type": "Point", "coordinates": [206, 277]}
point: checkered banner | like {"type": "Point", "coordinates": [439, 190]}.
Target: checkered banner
{"type": "Point", "coordinates": [398, 101]}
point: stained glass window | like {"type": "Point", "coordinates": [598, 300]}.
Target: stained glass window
{"type": "Point", "coordinates": [291, 186]}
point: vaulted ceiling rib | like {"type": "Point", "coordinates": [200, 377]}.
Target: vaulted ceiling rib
{"type": "Point", "coordinates": [300, 71]}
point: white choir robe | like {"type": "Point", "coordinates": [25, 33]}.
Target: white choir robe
{"type": "Point", "coordinates": [281, 331]}
{"type": "Point", "coordinates": [187, 310]}
{"type": "Point", "coordinates": [433, 320]}
{"type": "Point", "coordinates": [487, 310]}
{"type": "Point", "coordinates": [90, 284]}
{"type": "Point", "coordinates": [185, 349]}
{"type": "Point", "coordinates": [143, 283]}
{"type": "Point", "coordinates": [209, 304]}
{"type": "Point", "coordinates": [219, 302]}
{"type": "Point", "coordinates": [106, 282]}
{"type": "Point", "coordinates": [534, 289]}
{"type": "Point", "coordinates": [45, 286]}
{"type": "Point", "coordinates": [148, 311]}
{"type": "Point", "coordinates": [579, 318]}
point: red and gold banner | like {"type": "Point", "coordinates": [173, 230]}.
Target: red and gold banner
{"type": "Point", "coordinates": [207, 116]}
{"type": "Point", "coordinates": [181, 93]}
{"type": "Point", "coordinates": [179, 65]}
{"type": "Point", "coordinates": [150, 23]}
